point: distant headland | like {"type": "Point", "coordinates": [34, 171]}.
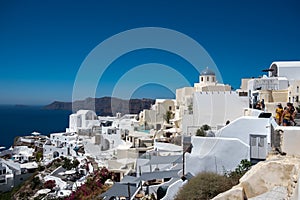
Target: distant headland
{"type": "Point", "coordinates": [104, 105]}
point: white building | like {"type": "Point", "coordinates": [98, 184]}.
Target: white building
{"type": "Point", "coordinates": [61, 144]}
{"type": "Point", "coordinates": [294, 91]}
{"type": "Point", "coordinates": [83, 121]}
{"type": "Point", "coordinates": [288, 69]}
{"type": "Point", "coordinates": [280, 86]}
{"type": "Point", "coordinates": [6, 178]}
{"type": "Point", "coordinates": [22, 154]}
{"type": "Point", "coordinates": [205, 102]}
{"type": "Point", "coordinates": [247, 137]}
{"type": "Point", "coordinates": [213, 104]}
{"type": "Point", "coordinates": [155, 117]}
{"type": "Point", "coordinates": [208, 82]}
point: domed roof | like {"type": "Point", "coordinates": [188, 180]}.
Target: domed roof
{"type": "Point", "coordinates": [207, 72]}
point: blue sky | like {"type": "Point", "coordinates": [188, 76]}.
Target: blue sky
{"type": "Point", "coordinates": [43, 43]}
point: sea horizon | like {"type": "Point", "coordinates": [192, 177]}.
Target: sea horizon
{"type": "Point", "coordinates": [21, 120]}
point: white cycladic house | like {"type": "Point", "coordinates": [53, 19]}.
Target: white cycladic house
{"type": "Point", "coordinates": [294, 91]}
{"type": "Point", "coordinates": [61, 144]}
{"type": "Point", "coordinates": [208, 82]}
{"type": "Point", "coordinates": [288, 69]}
{"type": "Point", "coordinates": [155, 116]}
{"type": "Point", "coordinates": [214, 109]}
{"type": "Point", "coordinates": [22, 154]}
{"type": "Point", "coordinates": [188, 102]}
{"type": "Point", "coordinates": [83, 120]}
{"type": "Point", "coordinates": [247, 137]}
{"type": "Point", "coordinates": [6, 178]}
{"type": "Point", "coordinates": [280, 86]}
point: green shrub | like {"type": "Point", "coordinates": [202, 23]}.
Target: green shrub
{"type": "Point", "coordinates": [204, 186]}
{"type": "Point", "coordinates": [202, 131]}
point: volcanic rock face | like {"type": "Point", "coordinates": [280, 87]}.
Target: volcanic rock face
{"type": "Point", "coordinates": [275, 178]}
{"type": "Point", "coordinates": [104, 105]}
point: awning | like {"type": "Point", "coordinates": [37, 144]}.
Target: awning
{"type": "Point", "coordinates": [120, 190]}
{"type": "Point", "coordinates": [155, 160]}
{"type": "Point", "coordinates": [159, 175]}
{"type": "Point", "coordinates": [173, 130]}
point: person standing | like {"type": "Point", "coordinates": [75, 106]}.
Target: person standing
{"type": "Point", "coordinates": [286, 117]}
{"type": "Point", "coordinates": [262, 103]}
{"type": "Point", "coordinates": [278, 111]}
{"type": "Point", "coordinates": [293, 113]}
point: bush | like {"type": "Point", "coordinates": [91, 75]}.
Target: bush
{"type": "Point", "coordinates": [202, 131]}
{"type": "Point", "coordinates": [205, 185]}
{"type": "Point", "coordinates": [50, 184]}
{"type": "Point", "coordinates": [93, 187]}
{"type": "Point", "coordinates": [36, 182]}
{"type": "Point", "coordinates": [39, 156]}
{"type": "Point", "coordinates": [239, 171]}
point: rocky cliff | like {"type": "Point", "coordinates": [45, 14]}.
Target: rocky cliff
{"type": "Point", "coordinates": [273, 179]}
{"type": "Point", "coordinates": [104, 105]}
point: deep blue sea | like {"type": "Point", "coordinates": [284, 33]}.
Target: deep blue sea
{"type": "Point", "coordinates": [20, 121]}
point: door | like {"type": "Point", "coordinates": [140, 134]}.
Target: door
{"type": "Point", "coordinates": [258, 146]}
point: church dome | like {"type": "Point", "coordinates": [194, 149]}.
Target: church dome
{"type": "Point", "coordinates": [207, 72]}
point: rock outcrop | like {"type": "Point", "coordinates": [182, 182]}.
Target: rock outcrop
{"type": "Point", "coordinates": [275, 178]}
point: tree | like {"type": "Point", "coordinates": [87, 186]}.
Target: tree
{"type": "Point", "coordinates": [168, 116]}
{"type": "Point", "coordinates": [190, 108]}
{"type": "Point", "coordinates": [39, 156]}
{"type": "Point", "coordinates": [67, 164]}
{"type": "Point", "coordinates": [75, 163]}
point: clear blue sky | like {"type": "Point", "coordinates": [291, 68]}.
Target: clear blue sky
{"type": "Point", "coordinates": [43, 43]}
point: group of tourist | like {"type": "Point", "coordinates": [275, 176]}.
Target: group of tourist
{"type": "Point", "coordinates": [286, 116]}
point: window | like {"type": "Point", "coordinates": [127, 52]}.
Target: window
{"type": "Point", "coordinates": [261, 142]}
{"type": "Point", "coordinates": [207, 78]}
{"type": "Point", "coordinates": [213, 79]}
{"type": "Point", "coordinates": [170, 107]}
{"type": "Point", "coordinates": [253, 141]}
{"type": "Point", "coordinates": [201, 79]}
{"type": "Point", "coordinates": [243, 94]}
{"type": "Point", "coordinates": [297, 98]}
{"type": "Point", "coordinates": [297, 89]}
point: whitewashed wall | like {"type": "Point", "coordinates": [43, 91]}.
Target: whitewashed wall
{"type": "Point", "coordinates": [242, 127]}
{"type": "Point", "coordinates": [215, 154]}
{"type": "Point", "coordinates": [215, 108]}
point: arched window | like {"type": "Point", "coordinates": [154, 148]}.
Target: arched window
{"type": "Point", "coordinates": [201, 79]}
{"type": "Point", "coordinates": [207, 78]}
{"type": "Point", "coordinates": [297, 89]}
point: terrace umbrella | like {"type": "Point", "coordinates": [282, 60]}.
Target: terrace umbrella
{"type": "Point", "coordinates": [43, 191]}
{"type": "Point", "coordinates": [35, 133]}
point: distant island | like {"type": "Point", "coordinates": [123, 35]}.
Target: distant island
{"type": "Point", "coordinates": [104, 106]}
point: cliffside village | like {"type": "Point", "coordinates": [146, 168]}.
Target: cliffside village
{"type": "Point", "coordinates": [163, 147]}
